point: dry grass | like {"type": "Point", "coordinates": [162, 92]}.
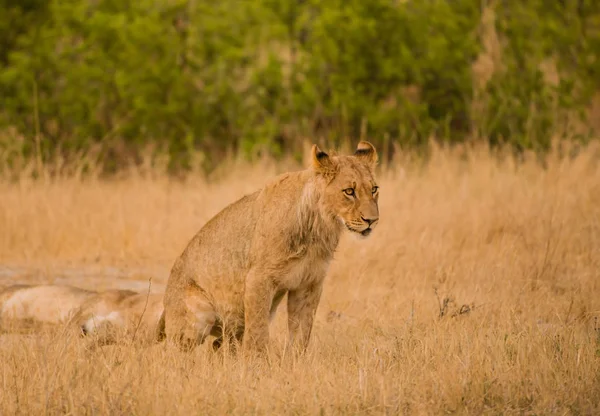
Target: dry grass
{"type": "Point", "coordinates": [478, 293]}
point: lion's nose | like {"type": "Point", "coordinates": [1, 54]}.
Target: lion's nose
{"type": "Point", "coordinates": [369, 220]}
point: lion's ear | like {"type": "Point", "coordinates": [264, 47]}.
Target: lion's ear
{"type": "Point", "coordinates": [321, 162]}
{"type": "Point", "coordinates": [366, 152]}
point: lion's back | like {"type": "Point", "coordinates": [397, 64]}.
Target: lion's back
{"type": "Point", "coordinates": [43, 303]}
{"type": "Point", "coordinates": [220, 249]}
{"type": "Point", "coordinates": [218, 257]}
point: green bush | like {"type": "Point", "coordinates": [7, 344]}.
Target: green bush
{"type": "Point", "coordinates": [525, 109]}
{"type": "Point", "coordinates": [253, 77]}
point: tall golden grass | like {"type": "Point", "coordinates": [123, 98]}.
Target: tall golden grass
{"type": "Point", "coordinates": [479, 293]}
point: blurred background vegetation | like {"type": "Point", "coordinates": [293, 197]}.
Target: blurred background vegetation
{"type": "Point", "coordinates": [114, 78]}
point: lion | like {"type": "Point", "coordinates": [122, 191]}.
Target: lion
{"type": "Point", "coordinates": [115, 312]}
{"type": "Point", "coordinates": [279, 240]}
{"type": "Point", "coordinates": [40, 304]}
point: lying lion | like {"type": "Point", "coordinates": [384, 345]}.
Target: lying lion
{"type": "Point", "coordinates": [34, 305]}
{"type": "Point", "coordinates": [279, 240]}
{"type": "Point", "coordinates": [104, 314]}
{"type": "Point", "coordinates": [114, 313]}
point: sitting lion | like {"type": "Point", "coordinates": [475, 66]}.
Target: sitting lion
{"type": "Point", "coordinates": [279, 240]}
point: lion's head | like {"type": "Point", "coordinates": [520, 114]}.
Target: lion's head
{"type": "Point", "coordinates": [350, 192]}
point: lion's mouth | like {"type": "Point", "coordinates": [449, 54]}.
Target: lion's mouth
{"type": "Point", "coordinates": [366, 232]}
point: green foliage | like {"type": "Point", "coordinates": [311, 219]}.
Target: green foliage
{"type": "Point", "coordinates": [18, 17]}
{"type": "Point", "coordinates": [526, 108]}
{"type": "Point", "coordinates": [189, 75]}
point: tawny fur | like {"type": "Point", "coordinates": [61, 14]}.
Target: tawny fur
{"type": "Point", "coordinates": [114, 313]}
{"type": "Point", "coordinates": [40, 304]}
{"type": "Point", "coordinates": [279, 240]}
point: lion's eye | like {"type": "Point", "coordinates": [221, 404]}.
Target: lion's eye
{"type": "Point", "coordinates": [349, 191]}
{"type": "Point", "coordinates": [374, 190]}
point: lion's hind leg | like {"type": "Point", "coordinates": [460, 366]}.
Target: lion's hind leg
{"type": "Point", "coordinates": [190, 319]}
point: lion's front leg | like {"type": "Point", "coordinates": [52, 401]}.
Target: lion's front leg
{"type": "Point", "coordinates": [258, 297]}
{"type": "Point", "coordinates": [302, 306]}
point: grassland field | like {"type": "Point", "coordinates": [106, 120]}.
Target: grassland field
{"type": "Point", "coordinates": [478, 293]}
